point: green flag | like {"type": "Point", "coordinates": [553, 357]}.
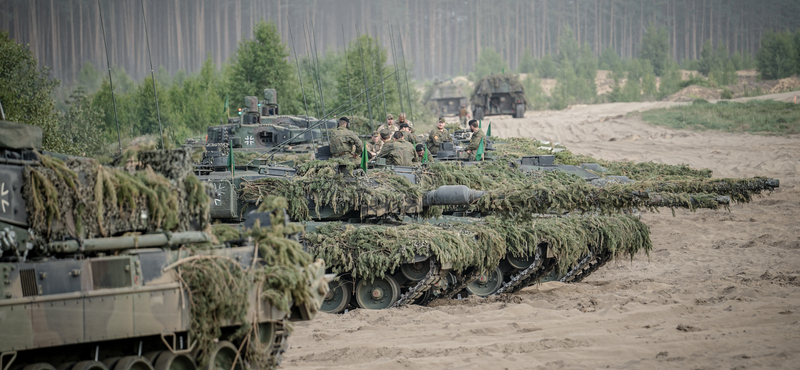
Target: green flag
{"type": "Point", "coordinates": [489, 130]}
{"type": "Point", "coordinates": [425, 155]}
{"type": "Point", "coordinates": [364, 158]}
{"type": "Point", "coordinates": [480, 123]}
{"type": "Point", "coordinates": [479, 152]}
{"type": "Point", "coordinates": [230, 158]}
{"type": "Point", "coordinates": [225, 107]}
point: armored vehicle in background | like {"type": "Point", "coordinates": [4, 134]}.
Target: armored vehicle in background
{"type": "Point", "coordinates": [260, 128]}
{"type": "Point", "coordinates": [448, 97]}
{"type": "Point", "coordinates": [108, 268]}
{"type": "Point", "coordinates": [498, 94]}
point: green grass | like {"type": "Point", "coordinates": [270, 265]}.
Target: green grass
{"type": "Point", "coordinates": [756, 116]}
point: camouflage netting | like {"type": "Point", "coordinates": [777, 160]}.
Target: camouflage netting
{"type": "Point", "coordinates": [79, 198]}
{"type": "Point", "coordinates": [489, 84]}
{"type": "Point", "coordinates": [173, 164]}
{"type": "Point", "coordinates": [322, 183]}
{"type": "Point", "coordinates": [219, 287]}
{"type": "Point", "coordinates": [371, 251]}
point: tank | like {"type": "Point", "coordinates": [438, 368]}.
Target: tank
{"type": "Point", "coordinates": [498, 94]}
{"type": "Point", "coordinates": [346, 210]}
{"type": "Point", "coordinates": [260, 134]}
{"type": "Point", "coordinates": [114, 268]}
{"type": "Point", "coordinates": [449, 96]}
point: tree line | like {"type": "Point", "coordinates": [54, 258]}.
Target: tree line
{"type": "Point", "coordinates": [441, 37]}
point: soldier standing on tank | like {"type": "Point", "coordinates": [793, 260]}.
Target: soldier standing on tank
{"type": "Point", "coordinates": [389, 125]}
{"type": "Point", "coordinates": [345, 143]}
{"type": "Point", "coordinates": [477, 135]}
{"type": "Point", "coordinates": [399, 152]}
{"type": "Point", "coordinates": [407, 135]}
{"type": "Point", "coordinates": [437, 136]}
{"type": "Point", "coordinates": [462, 115]}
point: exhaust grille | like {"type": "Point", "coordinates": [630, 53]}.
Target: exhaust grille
{"type": "Point", "coordinates": [28, 279]}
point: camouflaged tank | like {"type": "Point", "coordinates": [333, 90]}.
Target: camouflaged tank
{"type": "Point", "coordinates": [449, 96]}
{"type": "Point", "coordinates": [111, 268]}
{"type": "Point", "coordinates": [498, 94]}
{"type": "Point", "coordinates": [259, 131]}
{"type": "Point", "coordinates": [504, 225]}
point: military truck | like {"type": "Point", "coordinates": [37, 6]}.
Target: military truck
{"type": "Point", "coordinates": [110, 268]}
{"type": "Point", "coordinates": [449, 97]}
{"type": "Point", "coordinates": [498, 94]}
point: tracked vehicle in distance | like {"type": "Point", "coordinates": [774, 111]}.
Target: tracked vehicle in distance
{"type": "Point", "coordinates": [498, 94]}
{"type": "Point", "coordinates": [448, 97]}
{"type": "Point", "coordinates": [103, 268]}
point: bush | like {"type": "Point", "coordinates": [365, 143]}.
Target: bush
{"type": "Point", "coordinates": [489, 62]}
{"type": "Point", "coordinates": [777, 57]}
{"type": "Point", "coordinates": [655, 49]}
{"type": "Point", "coordinates": [726, 94]}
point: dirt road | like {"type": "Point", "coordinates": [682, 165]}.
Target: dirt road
{"type": "Point", "coordinates": [720, 289]}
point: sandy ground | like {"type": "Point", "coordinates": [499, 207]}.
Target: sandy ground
{"type": "Point", "coordinates": [719, 291]}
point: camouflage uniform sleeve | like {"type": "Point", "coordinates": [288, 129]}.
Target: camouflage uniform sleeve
{"type": "Point", "coordinates": [356, 141]}
{"type": "Point", "coordinates": [475, 142]}
{"type": "Point", "coordinates": [446, 137]}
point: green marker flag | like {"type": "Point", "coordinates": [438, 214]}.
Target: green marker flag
{"type": "Point", "coordinates": [489, 130]}
{"type": "Point", "coordinates": [425, 155]}
{"type": "Point", "coordinates": [479, 152]}
{"type": "Point", "coordinates": [364, 158]}
{"type": "Point", "coordinates": [226, 106]}
{"type": "Point", "coordinates": [480, 123]}
{"type": "Point", "coordinates": [230, 158]}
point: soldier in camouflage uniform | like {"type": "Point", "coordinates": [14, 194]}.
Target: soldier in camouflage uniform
{"type": "Point", "coordinates": [399, 152]}
{"type": "Point", "coordinates": [389, 125]}
{"type": "Point", "coordinates": [345, 143]}
{"type": "Point", "coordinates": [438, 136]}
{"type": "Point", "coordinates": [407, 135]}
{"type": "Point", "coordinates": [420, 148]}
{"type": "Point", "coordinates": [402, 119]}
{"type": "Point", "coordinates": [375, 145]}
{"type": "Point", "coordinates": [477, 135]}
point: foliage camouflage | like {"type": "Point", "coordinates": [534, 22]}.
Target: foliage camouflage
{"type": "Point", "coordinates": [92, 200]}
{"type": "Point", "coordinates": [219, 287]}
{"type": "Point", "coordinates": [487, 85]}
{"type": "Point", "coordinates": [371, 251]}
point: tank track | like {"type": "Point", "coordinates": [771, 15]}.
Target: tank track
{"type": "Point", "coordinates": [422, 286]}
{"type": "Point", "coordinates": [279, 344]}
{"type": "Point", "coordinates": [590, 267]}
{"type": "Point", "coordinates": [520, 279]}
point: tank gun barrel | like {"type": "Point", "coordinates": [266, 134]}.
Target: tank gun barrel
{"type": "Point", "coordinates": [127, 242]}
{"type": "Point", "coordinates": [451, 195]}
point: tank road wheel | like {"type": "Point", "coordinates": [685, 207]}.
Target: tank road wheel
{"type": "Point", "coordinates": [170, 361]}
{"type": "Point", "coordinates": [89, 365]}
{"type": "Point", "coordinates": [415, 271]}
{"type": "Point", "coordinates": [338, 296]}
{"type": "Point", "coordinates": [133, 363]}
{"type": "Point", "coordinates": [478, 113]}
{"type": "Point", "coordinates": [519, 111]}
{"type": "Point", "coordinates": [520, 263]}
{"type": "Point", "coordinates": [487, 283]}
{"type": "Point", "coordinates": [222, 357]}
{"type": "Point", "coordinates": [377, 294]}
{"type": "Point", "coordinates": [39, 366]}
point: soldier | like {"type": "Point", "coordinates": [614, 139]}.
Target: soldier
{"type": "Point", "coordinates": [375, 145]}
{"type": "Point", "coordinates": [389, 125]}
{"type": "Point", "coordinates": [345, 143]}
{"type": "Point", "coordinates": [437, 136]}
{"type": "Point", "coordinates": [420, 152]}
{"type": "Point", "coordinates": [462, 116]}
{"type": "Point", "coordinates": [402, 119]}
{"type": "Point", "coordinates": [407, 135]}
{"type": "Point", "coordinates": [477, 135]}
{"type": "Point", "coordinates": [399, 152]}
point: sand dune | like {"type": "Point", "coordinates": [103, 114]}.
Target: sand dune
{"type": "Point", "coordinates": [720, 290]}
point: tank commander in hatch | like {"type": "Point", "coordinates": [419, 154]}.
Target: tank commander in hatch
{"type": "Point", "coordinates": [477, 135]}
{"type": "Point", "coordinates": [345, 143]}
{"type": "Point", "coordinates": [437, 136]}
